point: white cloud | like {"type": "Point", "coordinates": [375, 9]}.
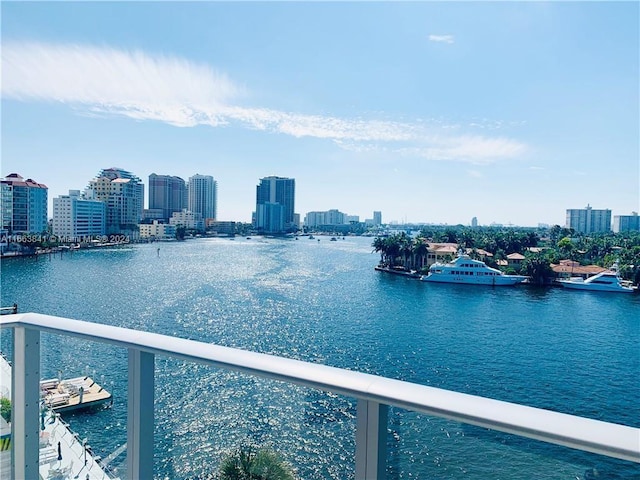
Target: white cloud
{"type": "Point", "coordinates": [102, 81]}
{"type": "Point", "coordinates": [441, 38]}
{"type": "Point", "coordinates": [471, 149]}
{"type": "Point", "coordinates": [132, 83]}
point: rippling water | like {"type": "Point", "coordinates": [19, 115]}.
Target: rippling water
{"type": "Point", "coordinates": [570, 351]}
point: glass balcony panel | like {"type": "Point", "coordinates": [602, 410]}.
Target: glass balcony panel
{"type": "Point", "coordinates": [421, 446]}
{"type": "Point", "coordinates": [203, 413]}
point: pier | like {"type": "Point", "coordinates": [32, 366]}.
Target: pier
{"type": "Point", "coordinates": [398, 271]}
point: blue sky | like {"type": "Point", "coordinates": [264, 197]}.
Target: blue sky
{"type": "Point", "coordinates": [430, 112]}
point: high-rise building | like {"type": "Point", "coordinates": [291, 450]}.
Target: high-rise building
{"type": "Point", "coordinates": [123, 194]}
{"type": "Point", "coordinates": [75, 217]}
{"type": "Point", "coordinates": [588, 220]}
{"type": "Point", "coordinates": [168, 194]}
{"type": "Point", "coordinates": [474, 222]}
{"type": "Point", "coordinates": [203, 195]}
{"type": "Point", "coordinates": [275, 205]}
{"type": "Point", "coordinates": [626, 223]}
{"type": "Point", "coordinates": [23, 205]}
{"type": "Point", "coordinates": [377, 218]}
{"type": "Point", "coordinates": [330, 217]}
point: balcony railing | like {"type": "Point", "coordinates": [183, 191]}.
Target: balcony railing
{"type": "Point", "coordinates": [374, 394]}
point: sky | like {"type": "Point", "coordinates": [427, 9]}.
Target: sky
{"type": "Point", "coordinates": [431, 112]}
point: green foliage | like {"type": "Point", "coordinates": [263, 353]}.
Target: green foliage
{"type": "Point", "coordinates": [537, 267]}
{"type": "Point", "coordinates": [5, 408]}
{"type": "Point", "coordinates": [250, 463]}
{"type": "Point", "coordinates": [559, 243]}
{"type": "Point", "coordinates": [180, 232]}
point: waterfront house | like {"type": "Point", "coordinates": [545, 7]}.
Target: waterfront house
{"type": "Point", "coordinates": [515, 260]}
{"type": "Point", "coordinates": [570, 268]}
{"type": "Point", "coordinates": [445, 252]}
{"type": "Point", "coordinates": [440, 252]}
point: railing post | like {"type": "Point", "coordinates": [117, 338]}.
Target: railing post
{"type": "Point", "coordinates": [371, 440]}
{"type": "Point", "coordinates": [140, 415]}
{"type": "Point", "coordinates": [25, 398]}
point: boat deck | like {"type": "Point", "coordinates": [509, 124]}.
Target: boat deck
{"type": "Point", "coordinates": [73, 394]}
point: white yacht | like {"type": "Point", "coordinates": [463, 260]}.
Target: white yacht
{"type": "Point", "coordinates": [466, 270]}
{"type": "Point", "coordinates": [607, 281]}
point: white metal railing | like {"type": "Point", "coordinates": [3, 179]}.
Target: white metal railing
{"type": "Point", "coordinates": [374, 395]}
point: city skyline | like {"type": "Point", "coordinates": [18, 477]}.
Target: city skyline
{"type": "Point", "coordinates": [428, 112]}
{"type": "Point", "coordinates": [160, 180]}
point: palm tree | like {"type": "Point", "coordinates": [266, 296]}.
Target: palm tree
{"type": "Point", "coordinates": [407, 253]}
{"type": "Point", "coordinates": [420, 250]}
{"type": "Point", "coordinates": [380, 246]}
{"type": "Point", "coordinates": [537, 267]}
{"type": "Point", "coordinates": [394, 244]}
{"type": "Point", "coordinates": [250, 463]}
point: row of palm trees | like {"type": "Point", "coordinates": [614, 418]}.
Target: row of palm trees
{"type": "Point", "coordinates": [401, 250]}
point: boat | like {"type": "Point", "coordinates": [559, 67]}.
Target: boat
{"type": "Point", "coordinates": [73, 394]}
{"type": "Point", "coordinates": [607, 281]}
{"type": "Point", "coordinates": [466, 270]}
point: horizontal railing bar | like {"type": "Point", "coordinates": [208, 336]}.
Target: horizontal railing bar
{"type": "Point", "coordinates": [614, 440]}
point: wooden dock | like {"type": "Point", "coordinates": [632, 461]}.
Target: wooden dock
{"type": "Point", "coordinates": [402, 272]}
{"type": "Point", "coordinates": [73, 394]}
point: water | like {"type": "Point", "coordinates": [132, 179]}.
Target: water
{"type": "Point", "coordinates": [570, 351]}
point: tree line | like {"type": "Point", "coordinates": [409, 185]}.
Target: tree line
{"type": "Point", "coordinates": [551, 245]}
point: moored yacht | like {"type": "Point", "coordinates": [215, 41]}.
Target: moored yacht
{"type": "Point", "coordinates": [607, 281]}
{"type": "Point", "coordinates": [466, 270]}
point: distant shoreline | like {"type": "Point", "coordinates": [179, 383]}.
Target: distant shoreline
{"type": "Point", "coordinates": [59, 250]}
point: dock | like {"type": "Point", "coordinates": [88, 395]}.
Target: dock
{"type": "Point", "coordinates": [73, 394]}
{"type": "Point", "coordinates": [399, 271]}
{"type": "Point", "coordinates": [63, 455]}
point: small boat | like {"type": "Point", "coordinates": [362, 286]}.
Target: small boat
{"type": "Point", "coordinates": [334, 239]}
{"type": "Point", "coordinates": [607, 281]}
{"type": "Point", "coordinates": [466, 270]}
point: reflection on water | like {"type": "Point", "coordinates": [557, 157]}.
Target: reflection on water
{"type": "Point", "coordinates": [322, 302]}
